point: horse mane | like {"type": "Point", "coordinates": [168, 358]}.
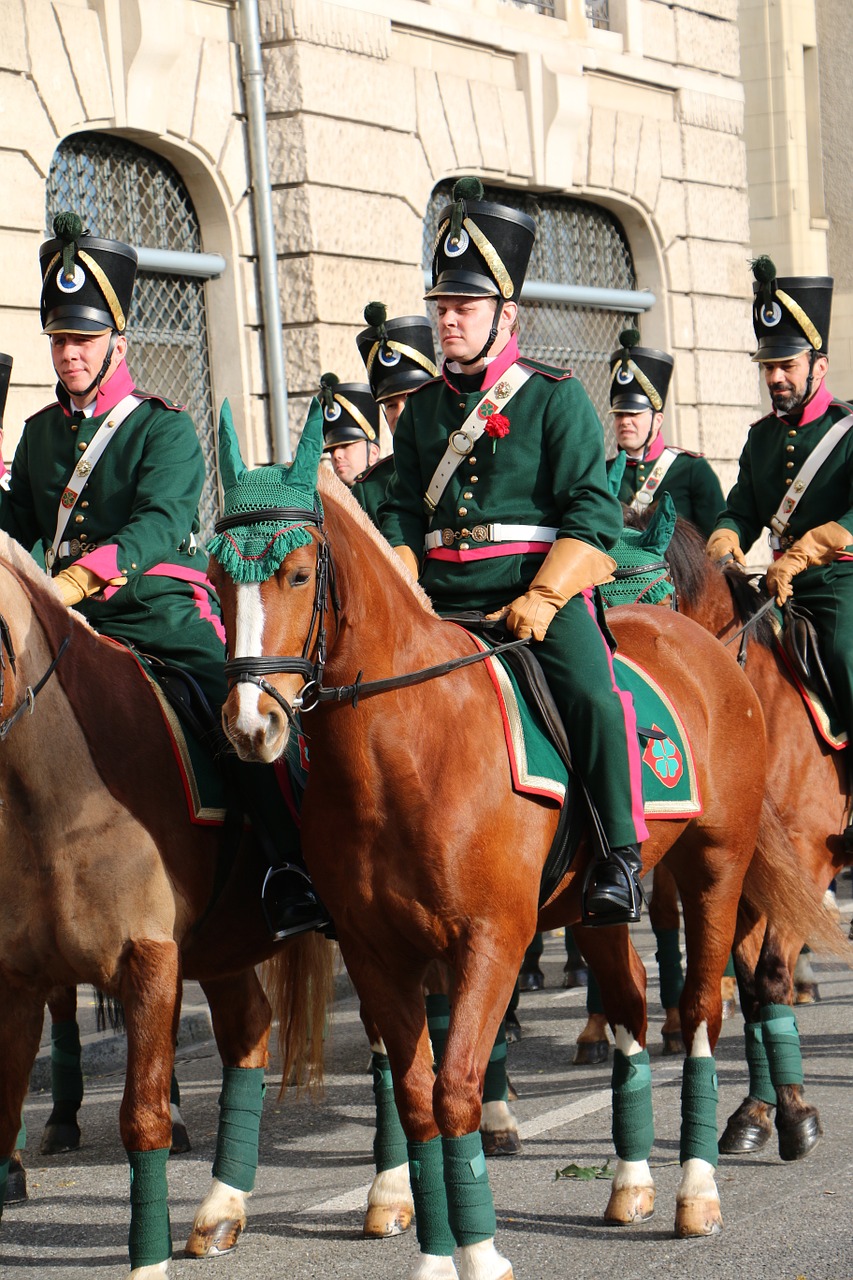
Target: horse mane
{"type": "Point", "coordinates": [692, 574]}
{"type": "Point", "coordinates": [329, 486]}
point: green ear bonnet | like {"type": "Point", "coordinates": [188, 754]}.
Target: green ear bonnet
{"type": "Point", "coordinates": [642, 550]}
{"type": "Point", "coordinates": [252, 552]}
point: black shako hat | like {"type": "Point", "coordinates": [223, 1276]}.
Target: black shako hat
{"type": "Point", "coordinates": [790, 314]}
{"type": "Point", "coordinates": [398, 354]}
{"type": "Point", "coordinates": [482, 248]}
{"type": "Point", "coordinates": [349, 412]}
{"type": "Point", "coordinates": [5, 379]}
{"type": "Point", "coordinates": [639, 376]}
{"type": "Point", "coordinates": [87, 282]}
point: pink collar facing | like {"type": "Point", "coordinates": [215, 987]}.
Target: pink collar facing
{"type": "Point", "coordinates": [816, 407]}
{"type": "Point", "coordinates": [652, 453]}
{"type": "Point", "coordinates": [115, 388]}
{"type": "Point", "coordinates": [494, 369]}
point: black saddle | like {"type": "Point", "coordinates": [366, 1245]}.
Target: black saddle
{"type": "Point", "coordinates": [802, 647]}
{"type": "Point", "coordinates": [190, 703]}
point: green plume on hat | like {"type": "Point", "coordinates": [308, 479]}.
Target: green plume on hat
{"type": "Point", "coordinates": [764, 271]}
{"type": "Point", "coordinates": [637, 548]}
{"type": "Point", "coordinates": [328, 382]}
{"type": "Point", "coordinates": [628, 339]}
{"type": "Point", "coordinates": [254, 551]}
{"type": "Point", "coordinates": [464, 189]}
{"type": "Point", "coordinates": [68, 228]}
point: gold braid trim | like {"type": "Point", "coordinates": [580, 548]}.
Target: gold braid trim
{"type": "Point", "coordinates": [439, 234]}
{"type": "Point", "coordinates": [56, 257]}
{"type": "Point", "coordinates": [491, 256]}
{"type": "Point", "coordinates": [411, 352]}
{"type": "Point", "coordinates": [106, 289]}
{"type": "Point", "coordinates": [647, 386]}
{"type": "Point", "coordinates": [801, 318]}
{"type": "Point", "coordinates": [358, 415]}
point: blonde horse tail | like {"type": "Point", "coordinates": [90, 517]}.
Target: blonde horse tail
{"type": "Point", "coordinates": [777, 888]}
{"type": "Point", "coordinates": [299, 982]}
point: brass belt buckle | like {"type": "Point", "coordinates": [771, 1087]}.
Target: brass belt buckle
{"type": "Point", "coordinates": [448, 537]}
{"type": "Point", "coordinates": [461, 435]}
{"type": "Point", "coordinates": [480, 532]}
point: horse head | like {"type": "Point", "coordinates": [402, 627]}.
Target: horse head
{"type": "Point", "coordinates": [269, 564]}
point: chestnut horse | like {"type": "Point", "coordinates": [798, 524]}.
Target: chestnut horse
{"type": "Point", "coordinates": [422, 850]}
{"type": "Point", "coordinates": [808, 784]}
{"type": "Point", "coordinates": [107, 882]}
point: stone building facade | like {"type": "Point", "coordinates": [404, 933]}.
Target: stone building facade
{"type": "Point", "coordinates": [370, 104]}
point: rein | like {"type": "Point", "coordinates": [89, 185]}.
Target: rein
{"type": "Point", "coordinates": [32, 690]}
{"type": "Point", "coordinates": [314, 692]}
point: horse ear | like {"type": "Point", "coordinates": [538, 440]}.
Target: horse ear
{"type": "Point", "coordinates": [303, 471]}
{"type": "Point", "coordinates": [616, 471]}
{"type": "Point", "coordinates": [658, 532]}
{"type": "Point", "coordinates": [231, 465]}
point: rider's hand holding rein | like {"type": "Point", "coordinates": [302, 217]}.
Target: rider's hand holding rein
{"type": "Point", "coordinates": [571, 566]}
{"type": "Point", "coordinates": [820, 546]}
{"type": "Point", "coordinates": [725, 542]}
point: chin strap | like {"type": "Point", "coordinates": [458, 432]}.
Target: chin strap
{"type": "Point", "coordinates": [493, 333]}
{"type": "Point", "coordinates": [96, 382]}
{"type": "Point", "coordinates": [808, 388]}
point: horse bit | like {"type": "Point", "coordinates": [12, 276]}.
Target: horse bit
{"type": "Point", "coordinates": [32, 690]}
{"type": "Point", "coordinates": [313, 692]}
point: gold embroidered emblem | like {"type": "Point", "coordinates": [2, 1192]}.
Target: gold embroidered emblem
{"type": "Point", "coordinates": [502, 390]}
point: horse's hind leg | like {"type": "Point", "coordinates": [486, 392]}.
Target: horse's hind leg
{"type": "Point", "coordinates": [665, 921]}
{"type": "Point", "coordinates": [62, 1131]}
{"type": "Point", "coordinates": [241, 1023]}
{"type": "Point", "coordinates": [750, 1126]}
{"type": "Point", "coordinates": [21, 1015]}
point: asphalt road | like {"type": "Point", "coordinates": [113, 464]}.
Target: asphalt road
{"type": "Point", "coordinates": [782, 1222]}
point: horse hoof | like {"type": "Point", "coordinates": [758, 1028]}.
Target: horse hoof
{"type": "Point", "coordinates": [797, 1140]}
{"type": "Point", "coordinates": [806, 993]}
{"type": "Point", "coordinates": [512, 1029]}
{"type": "Point", "coordinates": [629, 1204]}
{"type": "Point", "coordinates": [58, 1138]}
{"type": "Point", "coordinates": [574, 978]}
{"type": "Point", "coordinates": [180, 1140]}
{"type": "Point", "coordinates": [672, 1044]}
{"type": "Point", "coordinates": [16, 1185]}
{"type": "Point", "coordinates": [747, 1129]}
{"type": "Point", "coordinates": [511, 1091]}
{"type": "Point", "coordinates": [210, 1242]}
{"type": "Point", "coordinates": [697, 1216]}
{"type": "Point", "coordinates": [383, 1220]}
{"type": "Point", "coordinates": [500, 1142]}
{"type": "Point", "coordinates": [532, 979]}
{"type": "Point", "coordinates": [591, 1053]}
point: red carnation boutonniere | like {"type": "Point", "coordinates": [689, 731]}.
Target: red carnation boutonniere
{"type": "Point", "coordinates": [497, 426]}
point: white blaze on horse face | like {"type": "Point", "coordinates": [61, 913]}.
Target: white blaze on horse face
{"type": "Point", "coordinates": [247, 644]}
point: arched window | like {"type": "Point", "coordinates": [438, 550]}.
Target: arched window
{"type": "Point", "coordinates": [125, 192]}
{"type": "Point", "coordinates": [577, 243]}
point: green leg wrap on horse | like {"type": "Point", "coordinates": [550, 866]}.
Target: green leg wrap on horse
{"type": "Point", "coordinates": [21, 1140]}
{"type": "Point", "coordinates": [760, 1082]}
{"type": "Point", "coordinates": [4, 1178]}
{"type": "Point", "coordinates": [729, 971]}
{"type": "Point", "coordinates": [150, 1239]}
{"type": "Point", "coordinates": [633, 1121]}
{"type": "Point", "coordinates": [240, 1104]}
{"type": "Point", "coordinates": [470, 1206]}
{"type": "Point", "coordinates": [389, 1143]}
{"type": "Point", "coordinates": [699, 1091]}
{"type": "Point", "coordinates": [494, 1082]}
{"type": "Point", "coordinates": [594, 1002]}
{"type": "Point", "coordinates": [66, 1075]}
{"type": "Point", "coordinates": [668, 956]}
{"type": "Point", "coordinates": [782, 1044]}
{"type": "Point", "coordinates": [438, 1024]}
{"type": "Point", "coordinates": [432, 1224]}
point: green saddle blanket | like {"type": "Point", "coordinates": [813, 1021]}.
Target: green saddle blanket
{"type": "Point", "coordinates": [670, 785]}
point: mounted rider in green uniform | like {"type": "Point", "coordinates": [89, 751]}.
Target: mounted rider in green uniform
{"type": "Point", "coordinates": [106, 482]}
{"type": "Point", "coordinates": [350, 426]}
{"type": "Point", "coordinates": [639, 382]}
{"type": "Point", "coordinates": [499, 502]}
{"type": "Point", "coordinates": [810, 517]}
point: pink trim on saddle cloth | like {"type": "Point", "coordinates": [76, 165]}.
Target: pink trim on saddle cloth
{"type": "Point", "coordinates": [632, 742]}
{"type": "Point", "coordinates": [489, 553]}
{"type": "Point", "coordinates": [202, 589]}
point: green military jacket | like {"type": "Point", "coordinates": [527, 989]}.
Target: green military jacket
{"type": "Point", "coordinates": [690, 481]}
{"type": "Point", "coordinates": [774, 452]}
{"type": "Point", "coordinates": [369, 488]}
{"type": "Point", "coordinates": [135, 518]}
{"type": "Point", "coordinates": [548, 470]}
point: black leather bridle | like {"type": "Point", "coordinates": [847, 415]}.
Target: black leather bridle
{"type": "Point", "coordinates": [314, 692]}
{"type": "Point", "coordinates": [7, 649]}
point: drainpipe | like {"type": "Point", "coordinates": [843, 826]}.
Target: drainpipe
{"type": "Point", "coordinates": [253, 82]}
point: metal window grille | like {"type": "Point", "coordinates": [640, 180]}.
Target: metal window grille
{"type": "Point", "coordinates": [123, 191]}
{"type": "Point", "coordinates": [598, 13]}
{"type": "Point", "coordinates": [576, 244]}
{"type": "Point", "coordinates": [541, 6]}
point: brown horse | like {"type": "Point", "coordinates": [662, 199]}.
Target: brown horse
{"type": "Point", "coordinates": [807, 783]}
{"type": "Point", "coordinates": [106, 881]}
{"type": "Point", "coordinates": [423, 851]}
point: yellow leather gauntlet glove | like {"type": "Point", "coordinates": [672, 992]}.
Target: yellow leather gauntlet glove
{"type": "Point", "coordinates": [76, 584]}
{"type": "Point", "coordinates": [724, 542]}
{"type": "Point", "coordinates": [820, 545]}
{"type": "Point", "coordinates": [569, 568]}
{"type": "Point", "coordinates": [410, 560]}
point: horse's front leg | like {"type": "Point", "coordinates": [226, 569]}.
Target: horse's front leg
{"type": "Point", "coordinates": [241, 1024]}
{"type": "Point", "coordinates": [62, 1131]}
{"type": "Point", "coordinates": [389, 1201]}
{"type": "Point", "coordinates": [149, 987]}
{"type": "Point", "coordinates": [21, 1017]}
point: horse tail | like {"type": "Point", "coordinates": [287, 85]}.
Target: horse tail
{"type": "Point", "coordinates": [110, 1012]}
{"type": "Point", "coordinates": [299, 982]}
{"type": "Point", "coordinates": [775, 886]}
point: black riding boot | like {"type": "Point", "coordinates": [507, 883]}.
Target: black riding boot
{"type": "Point", "coordinates": [290, 902]}
{"type": "Point", "coordinates": [612, 893]}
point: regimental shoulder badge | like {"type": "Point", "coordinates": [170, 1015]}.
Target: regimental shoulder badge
{"type": "Point", "coordinates": [486, 409]}
{"type": "Point", "coordinates": [68, 498]}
